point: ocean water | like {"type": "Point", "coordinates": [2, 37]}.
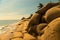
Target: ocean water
{"type": "Point", "coordinates": [6, 22]}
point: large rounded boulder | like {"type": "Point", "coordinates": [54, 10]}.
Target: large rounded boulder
{"type": "Point", "coordinates": [53, 30]}
{"type": "Point", "coordinates": [35, 19]}
{"type": "Point", "coordinates": [52, 13]}
{"type": "Point", "coordinates": [37, 29]}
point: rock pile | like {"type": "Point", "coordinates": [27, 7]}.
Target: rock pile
{"type": "Point", "coordinates": [43, 25]}
{"type": "Point", "coordinates": [47, 14]}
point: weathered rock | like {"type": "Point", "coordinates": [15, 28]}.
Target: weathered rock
{"type": "Point", "coordinates": [28, 37]}
{"type": "Point", "coordinates": [52, 13]}
{"type": "Point", "coordinates": [17, 39]}
{"type": "Point", "coordinates": [6, 36]}
{"type": "Point", "coordinates": [40, 27]}
{"type": "Point", "coordinates": [42, 11]}
{"type": "Point", "coordinates": [37, 17]}
{"type": "Point", "coordinates": [53, 30]}
{"type": "Point", "coordinates": [37, 26]}
{"type": "Point", "coordinates": [38, 37]}
{"type": "Point", "coordinates": [17, 34]}
{"type": "Point", "coordinates": [46, 7]}
{"type": "Point", "coordinates": [37, 29]}
{"type": "Point", "coordinates": [23, 18]}
{"type": "Point", "coordinates": [22, 26]}
{"type": "Point", "coordinates": [30, 16]}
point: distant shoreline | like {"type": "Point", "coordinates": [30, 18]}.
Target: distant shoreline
{"type": "Point", "coordinates": [6, 22]}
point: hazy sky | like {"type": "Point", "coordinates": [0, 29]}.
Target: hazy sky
{"type": "Point", "coordinates": [16, 9]}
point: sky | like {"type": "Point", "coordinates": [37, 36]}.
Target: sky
{"type": "Point", "coordinates": [16, 9]}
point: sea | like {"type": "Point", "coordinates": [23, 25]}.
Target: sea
{"type": "Point", "coordinates": [3, 25]}
{"type": "Point", "coordinates": [7, 22]}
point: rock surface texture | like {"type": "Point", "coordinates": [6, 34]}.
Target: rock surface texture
{"type": "Point", "coordinates": [43, 25]}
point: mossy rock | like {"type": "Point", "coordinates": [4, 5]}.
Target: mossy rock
{"type": "Point", "coordinates": [53, 30]}
{"type": "Point", "coordinates": [52, 13]}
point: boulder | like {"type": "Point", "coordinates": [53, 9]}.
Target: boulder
{"type": "Point", "coordinates": [46, 7]}
{"type": "Point", "coordinates": [6, 36]}
{"type": "Point", "coordinates": [40, 27]}
{"type": "Point", "coordinates": [37, 29]}
{"type": "Point", "coordinates": [22, 26]}
{"type": "Point", "coordinates": [23, 18]}
{"type": "Point", "coordinates": [52, 13]}
{"type": "Point", "coordinates": [43, 10]}
{"type": "Point", "coordinates": [17, 34]}
{"type": "Point", "coordinates": [28, 37]}
{"type": "Point", "coordinates": [30, 16]}
{"type": "Point", "coordinates": [53, 30]}
{"type": "Point", "coordinates": [35, 19]}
